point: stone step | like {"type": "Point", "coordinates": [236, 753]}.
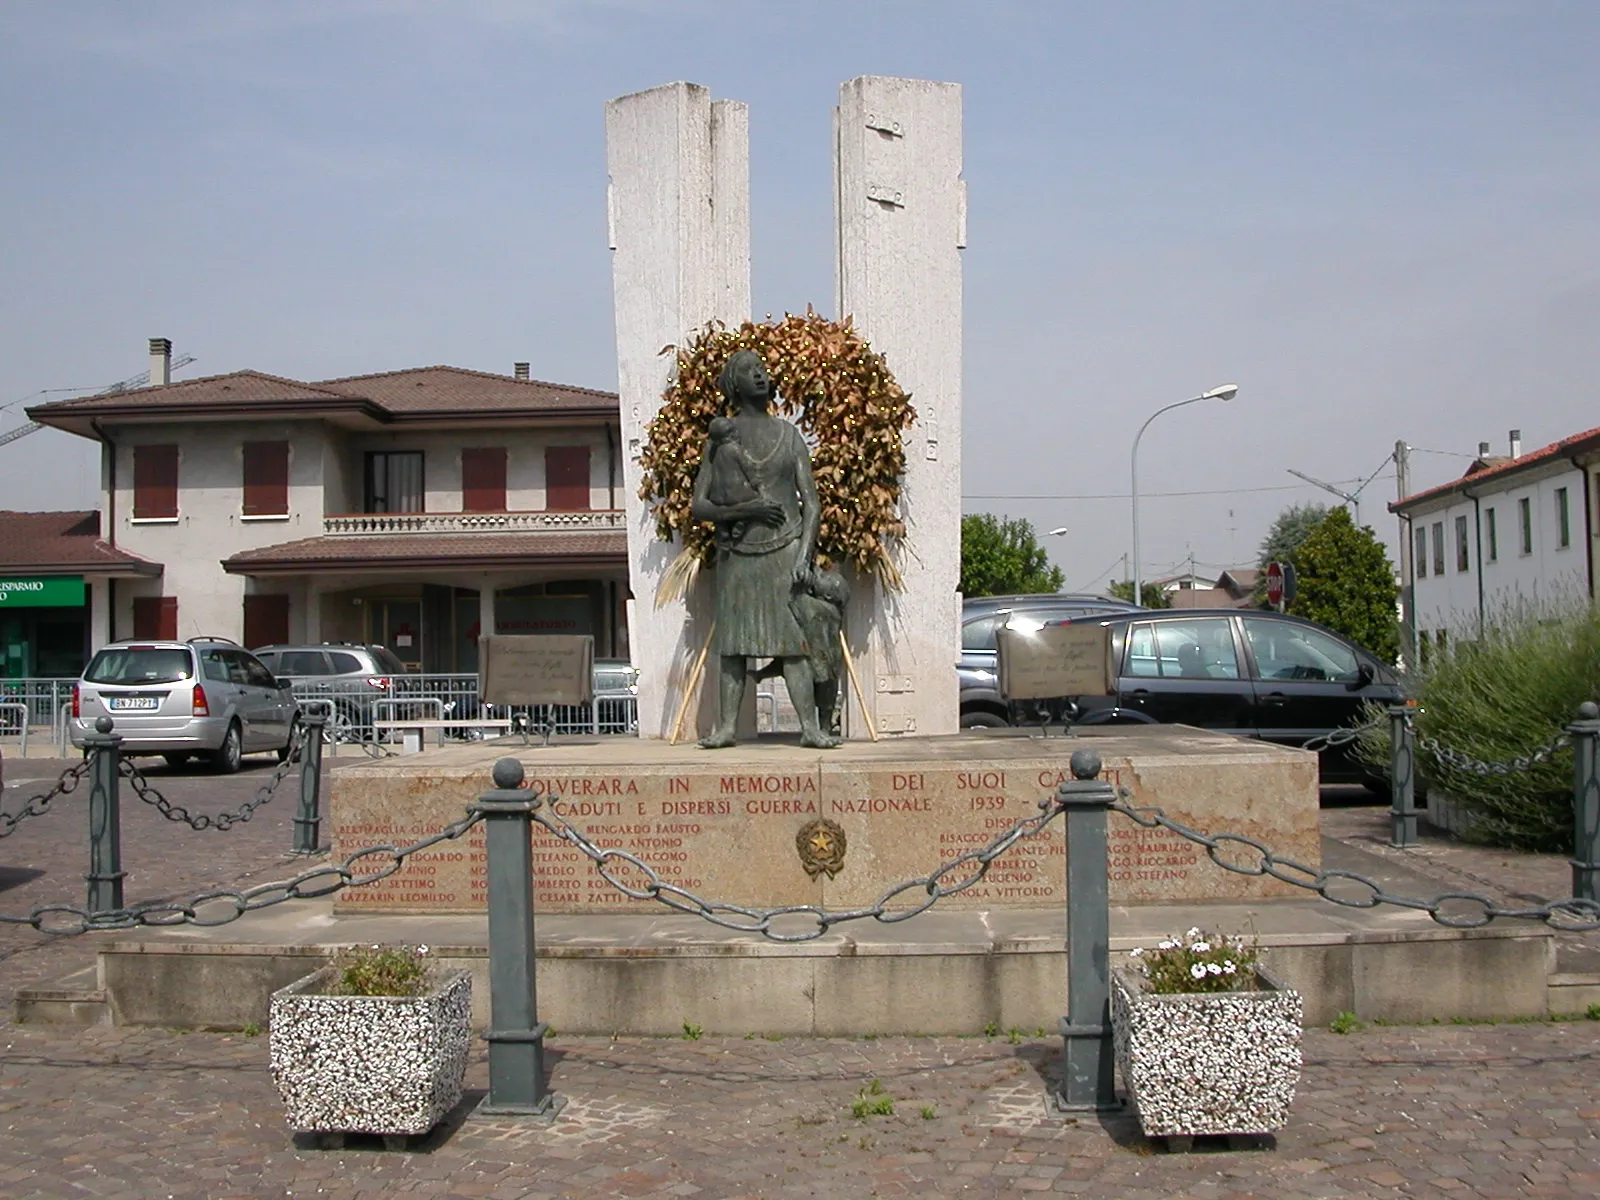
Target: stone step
{"type": "Point", "coordinates": [74, 999]}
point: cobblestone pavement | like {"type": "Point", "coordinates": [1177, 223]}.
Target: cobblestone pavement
{"type": "Point", "coordinates": [45, 860]}
{"type": "Point", "coordinates": [1437, 1111]}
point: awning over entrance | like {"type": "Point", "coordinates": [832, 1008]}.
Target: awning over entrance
{"type": "Point", "coordinates": [478, 551]}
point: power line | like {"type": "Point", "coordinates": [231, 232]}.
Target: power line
{"type": "Point", "coordinates": [1288, 487]}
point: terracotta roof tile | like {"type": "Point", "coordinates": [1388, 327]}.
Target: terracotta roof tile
{"type": "Point", "coordinates": [1484, 469]}
{"type": "Point", "coordinates": [464, 549]}
{"type": "Point", "coordinates": [63, 542]}
{"type": "Point", "coordinates": [239, 387]}
{"type": "Point", "coordinates": [454, 389]}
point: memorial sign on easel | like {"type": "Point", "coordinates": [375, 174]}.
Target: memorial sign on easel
{"type": "Point", "coordinates": [523, 670]}
{"type": "Point", "coordinates": [1054, 662]}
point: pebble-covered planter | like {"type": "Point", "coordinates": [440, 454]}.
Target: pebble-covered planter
{"type": "Point", "coordinates": [1207, 1063]}
{"type": "Point", "coordinates": [389, 1065]}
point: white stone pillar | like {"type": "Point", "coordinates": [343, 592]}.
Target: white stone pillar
{"type": "Point", "coordinates": [679, 217]}
{"type": "Point", "coordinates": [900, 211]}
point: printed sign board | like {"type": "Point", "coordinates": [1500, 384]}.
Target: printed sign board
{"type": "Point", "coordinates": [59, 591]}
{"type": "Point", "coordinates": [537, 669]}
{"type": "Point", "coordinates": [1058, 660]}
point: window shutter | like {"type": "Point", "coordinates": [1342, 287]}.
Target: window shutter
{"type": "Point", "coordinates": [155, 481]}
{"type": "Point", "coordinates": [566, 475]}
{"type": "Point", "coordinates": [266, 619]}
{"type": "Point", "coordinates": [156, 618]}
{"type": "Point", "coordinates": [483, 479]}
{"type": "Point", "coordinates": [266, 479]}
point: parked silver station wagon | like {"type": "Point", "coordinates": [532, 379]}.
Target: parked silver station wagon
{"type": "Point", "coordinates": [203, 697]}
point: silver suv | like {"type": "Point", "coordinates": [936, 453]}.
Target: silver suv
{"type": "Point", "coordinates": [351, 677]}
{"type": "Point", "coordinates": [206, 696]}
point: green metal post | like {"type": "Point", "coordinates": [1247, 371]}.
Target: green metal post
{"type": "Point", "coordinates": [308, 817]}
{"type": "Point", "coordinates": [105, 818]}
{"type": "Point", "coordinates": [1585, 733]}
{"type": "Point", "coordinates": [1402, 778]}
{"type": "Point", "coordinates": [1087, 1083]}
{"type": "Point", "coordinates": [515, 1034]}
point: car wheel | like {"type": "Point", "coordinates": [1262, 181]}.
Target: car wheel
{"type": "Point", "coordinates": [982, 720]}
{"type": "Point", "coordinates": [176, 762]}
{"type": "Point", "coordinates": [295, 731]}
{"type": "Point", "coordinates": [225, 760]}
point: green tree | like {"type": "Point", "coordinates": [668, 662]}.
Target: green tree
{"type": "Point", "coordinates": [1154, 597]}
{"type": "Point", "coordinates": [1003, 557]}
{"type": "Point", "coordinates": [1293, 525]}
{"type": "Point", "coordinates": [1346, 581]}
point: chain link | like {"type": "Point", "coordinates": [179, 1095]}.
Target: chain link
{"type": "Point", "coordinates": [1571, 915]}
{"type": "Point", "coordinates": [1458, 761]}
{"type": "Point", "coordinates": [222, 905]}
{"type": "Point", "coordinates": [954, 876]}
{"type": "Point", "coordinates": [38, 805]}
{"type": "Point", "coordinates": [1345, 735]}
{"type": "Point", "coordinates": [148, 792]}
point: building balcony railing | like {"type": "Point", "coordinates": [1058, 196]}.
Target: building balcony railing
{"type": "Point", "coordinates": [368, 524]}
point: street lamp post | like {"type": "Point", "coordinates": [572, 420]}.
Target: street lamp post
{"type": "Point", "coordinates": [1225, 392]}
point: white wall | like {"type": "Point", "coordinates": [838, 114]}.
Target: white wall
{"type": "Point", "coordinates": [210, 525]}
{"type": "Point", "coordinates": [325, 478]}
{"type": "Point", "coordinates": [901, 219]}
{"type": "Point", "coordinates": [1548, 573]}
{"type": "Point", "coordinates": [679, 223]}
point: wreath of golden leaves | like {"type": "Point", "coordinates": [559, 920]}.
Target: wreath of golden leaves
{"type": "Point", "coordinates": [841, 395]}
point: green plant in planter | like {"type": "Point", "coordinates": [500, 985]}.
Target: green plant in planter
{"type": "Point", "coordinates": [1199, 962]}
{"type": "Point", "coordinates": [381, 971]}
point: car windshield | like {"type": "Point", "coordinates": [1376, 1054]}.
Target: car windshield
{"type": "Point", "coordinates": [139, 664]}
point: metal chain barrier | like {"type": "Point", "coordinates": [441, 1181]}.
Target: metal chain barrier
{"type": "Point", "coordinates": [1570, 915]}
{"type": "Point", "coordinates": [148, 792]}
{"type": "Point", "coordinates": [1476, 766]}
{"type": "Point", "coordinates": [38, 805]}
{"type": "Point", "coordinates": [1344, 736]}
{"type": "Point", "coordinates": [954, 876]}
{"type": "Point", "coordinates": [231, 903]}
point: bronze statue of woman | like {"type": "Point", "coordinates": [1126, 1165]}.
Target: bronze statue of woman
{"type": "Point", "coordinates": [765, 548]}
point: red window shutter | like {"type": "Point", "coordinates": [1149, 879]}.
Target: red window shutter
{"type": "Point", "coordinates": [483, 480]}
{"type": "Point", "coordinates": [566, 478]}
{"type": "Point", "coordinates": [155, 481]}
{"type": "Point", "coordinates": [266, 619]}
{"type": "Point", "coordinates": [156, 618]}
{"type": "Point", "coordinates": [266, 479]}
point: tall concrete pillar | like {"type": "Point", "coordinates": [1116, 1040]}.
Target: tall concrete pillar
{"type": "Point", "coordinates": [679, 206]}
{"type": "Point", "coordinates": [900, 212]}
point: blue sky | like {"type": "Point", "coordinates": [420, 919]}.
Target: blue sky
{"type": "Point", "coordinates": [1381, 219]}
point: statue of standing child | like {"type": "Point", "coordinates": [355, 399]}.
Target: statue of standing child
{"type": "Point", "coordinates": [755, 484]}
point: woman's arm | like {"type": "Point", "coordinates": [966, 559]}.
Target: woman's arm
{"type": "Point", "coordinates": [810, 509]}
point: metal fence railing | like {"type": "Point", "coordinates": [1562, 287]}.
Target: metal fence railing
{"type": "Point", "coordinates": [39, 709]}
{"type": "Point", "coordinates": [355, 704]}
{"type": "Point", "coordinates": [35, 707]}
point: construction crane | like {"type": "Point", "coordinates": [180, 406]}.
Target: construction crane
{"type": "Point", "coordinates": [122, 385]}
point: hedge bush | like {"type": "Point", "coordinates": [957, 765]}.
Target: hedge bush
{"type": "Point", "coordinates": [1500, 698]}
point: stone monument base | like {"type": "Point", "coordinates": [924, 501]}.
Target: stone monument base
{"type": "Point", "coordinates": [771, 823]}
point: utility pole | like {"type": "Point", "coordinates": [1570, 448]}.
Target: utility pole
{"type": "Point", "coordinates": [1408, 591]}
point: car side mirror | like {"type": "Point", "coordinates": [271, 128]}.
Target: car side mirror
{"type": "Point", "coordinates": [1364, 676]}
{"type": "Point", "coordinates": [285, 685]}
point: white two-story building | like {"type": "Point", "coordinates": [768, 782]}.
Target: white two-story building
{"type": "Point", "coordinates": [414, 508]}
{"type": "Point", "coordinates": [1514, 531]}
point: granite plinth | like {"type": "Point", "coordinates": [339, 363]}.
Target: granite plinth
{"type": "Point", "coordinates": [724, 823]}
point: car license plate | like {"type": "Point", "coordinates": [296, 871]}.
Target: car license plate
{"type": "Point", "coordinates": [133, 703]}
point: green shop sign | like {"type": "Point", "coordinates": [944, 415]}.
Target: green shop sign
{"type": "Point", "coordinates": [61, 591]}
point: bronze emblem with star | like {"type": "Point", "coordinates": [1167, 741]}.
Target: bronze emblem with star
{"type": "Point", "coordinates": [821, 845]}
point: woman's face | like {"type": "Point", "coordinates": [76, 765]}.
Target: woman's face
{"type": "Point", "coordinates": [751, 381]}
